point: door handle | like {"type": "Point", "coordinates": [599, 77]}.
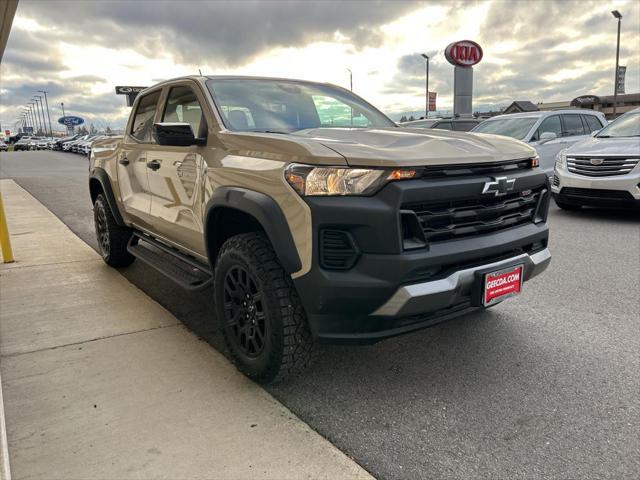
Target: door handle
{"type": "Point", "coordinates": [124, 161]}
{"type": "Point", "coordinates": [154, 164]}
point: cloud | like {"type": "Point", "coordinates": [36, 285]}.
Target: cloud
{"type": "Point", "coordinates": [227, 32]}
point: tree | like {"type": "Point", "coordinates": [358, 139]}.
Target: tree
{"type": "Point", "coordinates": [411, 118]}
{"type": "Point", "coordinates": [107, 130]}
{"type": "Point", "coordinates": [404, 118]}
{"type": "Point", "coordinates": [92, 128]}
{"type": "Point", "coordinates": [83, 130]}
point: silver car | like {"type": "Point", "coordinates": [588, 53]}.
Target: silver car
{"type": "Point", "coordinates": [548, 132]}
{"type": "Point", "coordinates": [603, 171]}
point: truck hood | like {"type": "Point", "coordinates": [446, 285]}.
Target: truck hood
{"type": "Point", "coordinates": [606, 146]}
{"type": "Point", "coordinates": [405, 147]}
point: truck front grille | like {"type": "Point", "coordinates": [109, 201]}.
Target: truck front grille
{"type": "Point", "coordinates": [463, 218]}
{"type": "Point", "coordinates": [601, 166]}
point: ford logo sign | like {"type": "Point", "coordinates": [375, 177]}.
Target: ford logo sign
{"type": "Point", "coordinates": [70, 121]}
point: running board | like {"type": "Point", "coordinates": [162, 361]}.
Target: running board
{"type": "Point", "coordinates": [187, 272]}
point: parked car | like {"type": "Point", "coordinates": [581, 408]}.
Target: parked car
{"type": "Point", "coordinates": [548, 132]}
{"type": "Point", "coordinates": [42, 143]}
{"type": "Point", "coordinates": [603, 171]}
{"type": "Point", "coordinates": [310, 229]}
{"type": "Point", "coordinates": [60, 141]}
{"type": "Point", "coordinates": [23, 144]}
{"type": "Point", "coordinates": [3, 146]}
{"type": "Point", "coordinates": [82, 146]}
{"type": "Point", "coordinates": [458, 124]}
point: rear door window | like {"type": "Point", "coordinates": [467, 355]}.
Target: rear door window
{"type": "Point", "coordinates": [592, 123]}
{"type": "Point", "coordinates": [143, 119]}
{"type": "Point", "coordinates": [443, 126]}
{"type": "Point", "coordinates": [572, 125]}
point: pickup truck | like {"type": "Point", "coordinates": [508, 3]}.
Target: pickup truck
{"type": "Point", "coordinates": [313, 216]}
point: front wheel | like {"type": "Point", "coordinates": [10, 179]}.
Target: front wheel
{"type": "Point", "coordinates": [112, 238]}
{"type": "Point", "coordinates": [264, 324]}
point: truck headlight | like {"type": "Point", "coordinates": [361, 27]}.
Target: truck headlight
{"type": "Point", "coordinates": [330, 181]}
{"type": "Point", "coordinates": [561, 160]}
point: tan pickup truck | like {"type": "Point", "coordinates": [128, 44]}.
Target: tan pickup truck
{"type": "Point", "coordinates": [314, 216]}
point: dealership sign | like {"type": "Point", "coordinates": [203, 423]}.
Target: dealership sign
{"type": "Point", "coordinates": [130, 92]}
{"type": "Point", "coordinates": [70, 121]}
{"type": "Point", "coordinates": [464, 53]}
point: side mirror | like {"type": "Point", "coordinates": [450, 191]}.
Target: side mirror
{"type": "Point", "coordinates": [176, 135]}
{"type": "Point", "coordinates": [547, 137]}
{"type": "Point", "coordinates": [595, 132]}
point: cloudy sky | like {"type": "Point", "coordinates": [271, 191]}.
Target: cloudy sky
{"type": "Point", "coordinates": [538, 50]}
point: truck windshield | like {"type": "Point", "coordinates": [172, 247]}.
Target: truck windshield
{"type": "Point", "coordinates": [284, 106]}
{"type": "Point", "coordinates": [627, 125]}
{"type": "Point", "coordinates": [509, 127]}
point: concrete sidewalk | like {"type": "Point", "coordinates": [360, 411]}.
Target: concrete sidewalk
{"type": "Point", "coordinates": [100, 381]}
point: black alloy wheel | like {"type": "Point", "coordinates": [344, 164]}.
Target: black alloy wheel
{"type": "Point", "coordinates": [244, 311]}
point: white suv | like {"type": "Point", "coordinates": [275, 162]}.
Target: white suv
{"type": "Point", "coordinates": [603, 171]}
{"type": "Point", "coordinates": [548, 132]}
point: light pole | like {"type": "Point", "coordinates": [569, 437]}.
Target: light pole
{"type": "Point", "coordinates": [36, 118]}
{"type": "Point", "coordinates": [38, 99]}
{"type": "Point", "coordinates": [617, 15]}
{"type": "Point", "coordinates": [64, 117]}
{"type": "Point", "coordinates": [426, 110]}
{"type": "Point", "coordinates": [48, 115]}
{"type": "Point", "coordinates": [350, 79]}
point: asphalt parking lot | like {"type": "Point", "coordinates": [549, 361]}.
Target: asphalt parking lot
{"type": "Point", "coordinates": [545, 385]}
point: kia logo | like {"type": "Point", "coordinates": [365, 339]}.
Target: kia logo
{"type": "Point", "coordinates": [500, 186]}
{"type": "Point", "coordinates": [464, 53]}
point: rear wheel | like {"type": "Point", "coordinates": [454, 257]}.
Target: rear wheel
{"type": "Point", "coordinates": [265, 327]}
{"type": "Point", "coordinates": [112, 238]}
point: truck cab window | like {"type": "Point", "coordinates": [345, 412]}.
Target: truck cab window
{"type": "Point", "coordinates": [143, 119]}
{"type": "Point", "coordinates": [183, 107]}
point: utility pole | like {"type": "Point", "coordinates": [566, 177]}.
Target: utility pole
{"type": "Point", "coordinates": [426, 109]}
{"type": "Point", "coordinates": [48, 115]}
{"type": "Point", "coordinates": [617, 15]}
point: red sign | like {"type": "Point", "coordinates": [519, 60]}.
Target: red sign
{"type": "Point", "coordinates": [502, 284]}
{"type": "Point", "coordinates": [464, 53]}
{"type": "Point", "coordinates": [432, 101]}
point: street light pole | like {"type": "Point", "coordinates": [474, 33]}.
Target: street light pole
{"type": "Point", "coordinates": [38, 99]}
{"type": "Point", "coordinates": [617, 15]}
{"type": "Point", "coordinates": [48, 115]}
{"type": "Point", "coordinates": [426, 109]}
{"type": "Point", "coordinates": [350, 79]}
{"type": "Point", "coordinates": [64, 117]}
{"type": "Point", "coordinates": [36, 119]}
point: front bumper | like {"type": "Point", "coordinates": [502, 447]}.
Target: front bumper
{"type": "Point", "coordinates": [390, 290]}
{"type": "Point", "coordinates": [610, 191]}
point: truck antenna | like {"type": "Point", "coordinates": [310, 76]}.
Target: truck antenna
{"type": "Point", "coordinates": [200, 72]}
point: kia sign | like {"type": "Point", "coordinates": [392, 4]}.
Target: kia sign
{"type": "Point", "coordinates": [464, 53]}
{"type": "Point", "coordinates": [70, 121]}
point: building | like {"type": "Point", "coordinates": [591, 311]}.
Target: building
{"type": "Point", "coordinates": [520, 106]}
{"type": "Point", "coordinates": [603, 104]}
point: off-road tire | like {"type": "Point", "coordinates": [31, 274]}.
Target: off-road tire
{"type": "Point", "coordinates": [112, 238]}
{"type": "Point", "coordinates": [288, 341]}
{"type": "Point", "coordinates": [568, 206]}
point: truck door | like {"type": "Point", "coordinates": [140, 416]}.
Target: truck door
{"type": "Point", "coordinates": [175, 173]}
{"type": "Point", "coordinates": [132, 162]}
